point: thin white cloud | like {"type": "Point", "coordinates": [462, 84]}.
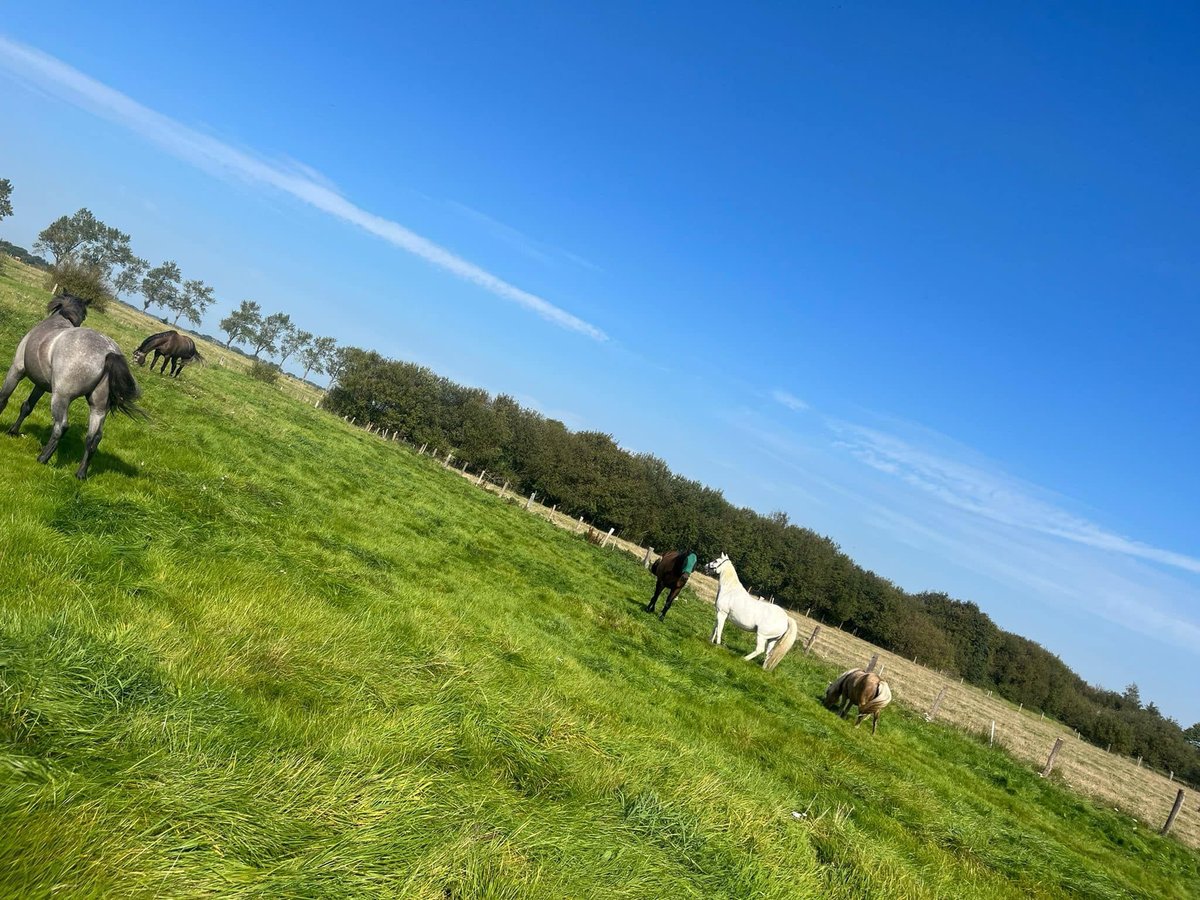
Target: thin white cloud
{"type": "Point", "coordinates": [791, 401]}
{"type": "Point", "coordinates": [53, 76]}
{"type": "Point", "coordinates": [532, 247]}
{"type": "Point", "coordinates": [992, 494]}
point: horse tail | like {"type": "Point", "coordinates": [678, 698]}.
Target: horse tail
{"type": "Point", "coordinates": [654, 566]}
{"type": "Point", "coordinates": [196, 352]}
{"type": "Point", "coordinates": [882, 698]}
{"type": "Point", "coordinates": [122, 389]}
{"type": "Point", "coordinates": [783, 645]}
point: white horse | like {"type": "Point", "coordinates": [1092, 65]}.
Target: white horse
{"type": "Point", "coordinates": [775, 629]}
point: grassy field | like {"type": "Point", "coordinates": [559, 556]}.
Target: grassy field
{"type": "Point", "coordinates": [260, 653]}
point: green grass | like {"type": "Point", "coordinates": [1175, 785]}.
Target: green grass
{"type": "Point", "coordinates": [262, 654]}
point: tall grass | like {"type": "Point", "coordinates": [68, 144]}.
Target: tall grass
{"type": "Point", "coordinates": [262, 654]}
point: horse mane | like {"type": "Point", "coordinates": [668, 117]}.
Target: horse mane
{"type": "Point", "coordinates": [69, 306]}
{"type": "Point", "coordinates": [154, 337]}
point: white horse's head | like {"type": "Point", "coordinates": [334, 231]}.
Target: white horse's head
{"type": "Point", "coordinates": [714, 567]}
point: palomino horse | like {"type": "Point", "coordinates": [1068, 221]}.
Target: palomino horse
{"type": "Point", "coordinates": [866, 690]}
{"type": "Point", "coordinates": [170, 345]}
{"type": "Point", "coordinates": [59, 356]}
{"type": "Point", "coordinates": [775, 629]}
{"type": "Point", "coordinates": [672, 570]}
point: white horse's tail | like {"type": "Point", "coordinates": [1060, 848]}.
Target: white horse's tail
{"type": "Point", "coordinates": [783, 645]}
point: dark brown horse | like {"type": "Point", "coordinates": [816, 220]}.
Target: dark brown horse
{"type": "Point", "coordinates": [856, 687]}
{"type": "Point", "coordinates": [171, 346]}
{"type": "Point", "coordinates": [672, 571]}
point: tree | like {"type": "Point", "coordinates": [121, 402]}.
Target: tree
{"type": "Point", "coordinates": [66, 234]}
{"type": "Point", "coordinates": [291, 340]}
{"type": "Point", "coordinates": [129, 279]}
{"type": "Point", "coordinates": [243, 323]}
{"type": "Point", "coordinates": [268, 332]}
{"type": "Point", "coordinates": [315, 354]}
{"type": "Point", "coordinates": [106, 249]}
{"type": "Point", "coordinates": [5, 197]}
{"type": "Point", "coordinates": [192, 301]}
{"type": "Point", "coordinates": [161, 286]}
{"type": "Point", "coordinates": [335, 362]}
{"type": "Point", "coordinates": [1132, 696]}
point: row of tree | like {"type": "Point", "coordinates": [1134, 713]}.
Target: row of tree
{"type": "Point", "coordinates": [94, 259]}
{"type": "Point", "coordinates": [586, 473]}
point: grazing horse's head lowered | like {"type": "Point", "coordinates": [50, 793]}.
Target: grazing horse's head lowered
{"type": "Point", "coordinates": [856, 687]}
{"type": "Point", "coordinates": [172, 346]}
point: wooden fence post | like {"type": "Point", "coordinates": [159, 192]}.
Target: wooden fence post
{"type": "Point", "coordinates": [937, 701]}
{"type": "Point", "coordinates": [992, 736]}
{"type": "Point", "coordinates": [1174, 812]}
{"type": "Point", "coordinates": [812, 640]}
{"type": "Point", "coordinates": [1058, 742]}
{"type": "Point", "coordinates": [529, 502]}
{"type": "Point", "coordinates": [1139, 765]}
{"type": "Point", "coordinates": [646, 561]}
{"type": "Point", "coordinates": [464, 466]}
{"type": "Point", "coordinates": [871, 664]}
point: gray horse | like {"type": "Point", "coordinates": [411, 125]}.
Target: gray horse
{"type": "Point", "coordinates": [59, 356]}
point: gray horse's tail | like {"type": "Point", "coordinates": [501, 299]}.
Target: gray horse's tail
{"type": "Point", "coordinates": [782, 646]}
{"type": "Point", "coordinates": [122, 389]}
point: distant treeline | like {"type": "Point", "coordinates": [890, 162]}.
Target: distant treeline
{"type": "Point", "coordinates": [586, 473]}
{"type": "Point", "coordinates": [23, 255]}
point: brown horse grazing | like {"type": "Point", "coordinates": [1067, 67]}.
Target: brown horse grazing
{"type": "Point", "coordinates": [170, 345]}
{"type": "Point", "coordinates": [862, 689]}
{"type": "Point", "coordinates": [672, 570]}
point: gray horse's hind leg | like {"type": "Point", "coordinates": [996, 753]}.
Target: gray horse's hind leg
{"type": "Point", "coordinates": [98, 410]}
{"type": "Point", "coordinates": [59, 404]}
{"type": "Point", "coordinates": [26, 408]}
{"type": "Point", "coordinates": [15, 373]}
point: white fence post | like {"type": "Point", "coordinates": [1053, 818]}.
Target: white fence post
{"type": "Point", "coordinates": [604, 543]}
{"type": "Point", "coordinates": [529, 502]}
{"type": "Point", "coordinates": [646, 561]}
{"type": "Point", "coordinates": [992, 736]}
{"type": "Point", "coordinates": [480, 481]}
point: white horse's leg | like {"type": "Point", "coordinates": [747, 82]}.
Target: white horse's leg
{"type": "Point", "coordinates": [770, 648]}
{"type": "Point", "coordinates": [759, 646]}
{"type": "Point", "coordinates": [59, 404]}
{"type": "Point", "coordinates": [720, 627]}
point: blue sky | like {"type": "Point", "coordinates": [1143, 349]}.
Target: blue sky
{"type": "Point", "coordinates": [925, 279]}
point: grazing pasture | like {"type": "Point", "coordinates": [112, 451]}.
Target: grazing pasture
{"type": "Point", "coordinates": [262, 653]}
